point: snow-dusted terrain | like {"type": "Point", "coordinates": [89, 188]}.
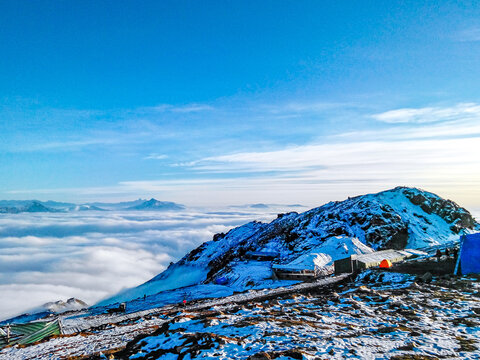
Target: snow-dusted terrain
{"type": "Point", "coordinates": [378, 315]}
{"type": "Point", "coordinates": [430, 321]}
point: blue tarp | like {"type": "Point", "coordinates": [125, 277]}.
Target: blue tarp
{"type": "Point", "coordinates": [470, 254]}
{"type": "Point", "coordinates": [221, 280]}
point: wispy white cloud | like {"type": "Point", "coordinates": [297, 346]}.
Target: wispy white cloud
{"type": "Point", "coordinates": [430, 147]}
{"type": "Point", "coordinates": [155, 156]}
{"type": "Point", "coordinates": [371, 155]}
{"type": "Point", "coordinates": [192, 108]}
{"type": "Point", "coordinates": [69, 145]}
{"type": "Point", "coordinates": [140, 128]}
{"type": "Point", "coordinates": [37, 129]}
{"type": "Point", "coordinates": [187, 108]}
{"type": "Point", "coordinates": [430, 114]}
{"type": "Point", "coordinates": [302, 107]}
{"type": "Point", "coordinates": [424, 153]}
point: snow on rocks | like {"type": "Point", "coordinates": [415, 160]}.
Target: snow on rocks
{"type": "Point", "coordinates": [94, 334]}
{"type": "Point", "coordinates": [361, 323]}
{"type": "Point", "coordinates": [362, 318]}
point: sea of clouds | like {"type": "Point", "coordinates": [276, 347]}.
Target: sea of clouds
{"type": "Point", "coordinates": [92, 255]}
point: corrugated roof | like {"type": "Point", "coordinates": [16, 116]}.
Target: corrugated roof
{"type": "Point", "coordinates": [49, 329]}
{"type": "Point", "coordinates": [29, 333]}
{"type": "Point", "coordinates": [28, 328]}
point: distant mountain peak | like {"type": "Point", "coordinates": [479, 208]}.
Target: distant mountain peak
{"type": "Point", "coordinates": [33, 206]}
{"type": "Point", "coordinates": [63, 306]}
{"type": "Point", "coordinates": [37, 206]}
{"type": "Point", "coordinates": [86, 207]}
{"type": "Point", "coordinates": [259, 206]}
{"type": "Point", "coordinates": [154, 204]}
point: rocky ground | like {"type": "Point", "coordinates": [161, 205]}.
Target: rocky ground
{"type": "Point", "coordinates": [379, 316]}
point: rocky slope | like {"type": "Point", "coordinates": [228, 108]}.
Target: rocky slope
{"type": "Point", "coordinates": [380, 316]}
{"type": "Point", "coordinates": [398, 218]}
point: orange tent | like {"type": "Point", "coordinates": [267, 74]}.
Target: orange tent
{"type": "Point", "coordinates": [386, 264]}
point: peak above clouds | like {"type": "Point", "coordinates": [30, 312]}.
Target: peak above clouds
{"type": "Point", "coordinates": [63, 306]}
{"type": "Point", "coordinates": [154, 204]}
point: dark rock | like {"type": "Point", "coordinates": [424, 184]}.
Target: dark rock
{"type": "Point", "coordinates": [446, 209]}
{"type": "Point", "coordinates": [407, 347]}
{"type": "Point", "coordinates": [398, 239]}
{"type": "Point", "coordinates": [219, 236]}
{"type": "Point", "coordinates": [294, 354]}
{"type": "Point", "coordinates": [426, 278]}
{"type": "Point", "coordinates": [260, 356]}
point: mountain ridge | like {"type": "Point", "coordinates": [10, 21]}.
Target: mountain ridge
{"type": "Point", "coordinates": [154, 204]}
{"type": "Point", "coordinates": [396, 218]}
{"type": "Point", "coordinates": [33, 206]}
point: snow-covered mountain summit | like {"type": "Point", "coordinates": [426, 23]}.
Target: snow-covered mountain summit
{"type": "Point", "coordinates": [61, 306]}
{"type": "Point", "coordinates": [398, 218]}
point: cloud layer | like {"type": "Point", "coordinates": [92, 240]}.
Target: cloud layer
{"type": "Point", "coordinates": [48, 257]}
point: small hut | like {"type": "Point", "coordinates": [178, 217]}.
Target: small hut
{"type": "Point", "coordinates": [364, 261]}
{"type": "Point", "coordinates": [306, 267]}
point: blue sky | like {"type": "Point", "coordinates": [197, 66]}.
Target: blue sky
{"type": "Point", "coordinates": [222, 102]}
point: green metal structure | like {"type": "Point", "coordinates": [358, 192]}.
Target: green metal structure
{"type": "Point", "coordinates": [24, 334]}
